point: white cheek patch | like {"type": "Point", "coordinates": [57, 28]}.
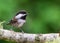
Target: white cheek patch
{"type": "Point", "coordinates": [19, 16]}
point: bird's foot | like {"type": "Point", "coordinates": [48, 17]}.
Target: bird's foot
{"type": "Point", "coordinates": [23, 32]}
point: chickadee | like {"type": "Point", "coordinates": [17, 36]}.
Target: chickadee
{"type": "Point", "coordinates": [19, 19]}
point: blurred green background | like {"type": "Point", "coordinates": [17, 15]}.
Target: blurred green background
{"type": "Point", "coordinates": [43, 15]}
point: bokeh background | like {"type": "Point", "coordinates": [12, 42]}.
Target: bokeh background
{"type": "Point", "coordinates": [43, 15]}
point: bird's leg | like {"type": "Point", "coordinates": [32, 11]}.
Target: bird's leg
{"type": "Point", "coordinates": [21, 30]}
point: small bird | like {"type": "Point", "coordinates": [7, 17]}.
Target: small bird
{"type": "Point", "coordinates": [19, 19]}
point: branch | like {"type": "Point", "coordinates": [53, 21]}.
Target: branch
{"type": "Point", "coordinates": [29, 38]}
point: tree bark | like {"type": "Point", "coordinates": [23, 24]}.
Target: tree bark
{"type": "Point", "coordinates": [29, 38]}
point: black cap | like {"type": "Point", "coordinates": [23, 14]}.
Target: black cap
{"type": "Point", "coordinates": [21, 12]}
